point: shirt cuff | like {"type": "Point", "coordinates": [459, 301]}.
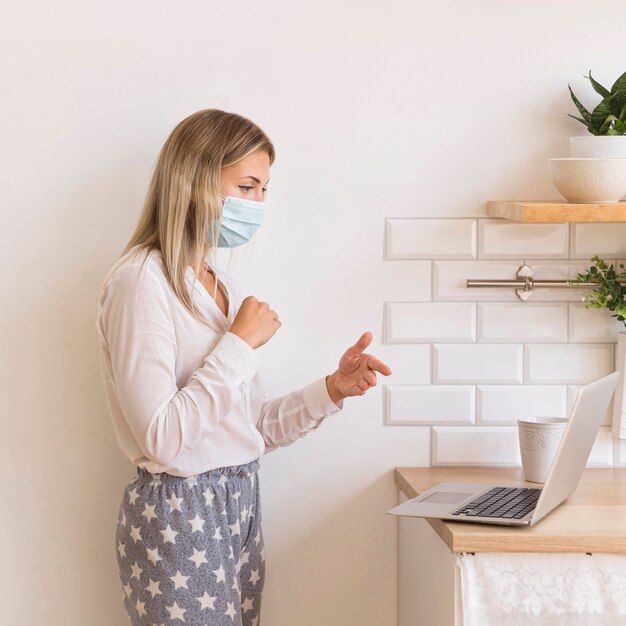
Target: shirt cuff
{"type": "Point", "coordinates": [318, 401]}
{"type": "Point", "coordinates": [238, 356]}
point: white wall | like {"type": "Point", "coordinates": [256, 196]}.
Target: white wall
{"type": "Point", "coordinates": [378, 111]}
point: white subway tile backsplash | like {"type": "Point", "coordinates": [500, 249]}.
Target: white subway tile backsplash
{"type": "Point", "coordinates": [403, 281]}
{"type": "Point", "coordinates": [505, 404]}
{"type": "Point", "coordinates": [407, 322]}
{"type": "Point", "coordinates": [567, 363]}
{"type": "Point", "coordinates": [503, 239]}
{"type": "Point", "coordinates": [409, 363]}
{"type": "Point", "coordinates": [558, 270]}
{"type": "Point", "coordinates": [473, 363]}
{"type": "Point", "coordinates": [572, 394]}
{"type": "Point", "coordinates": [606, 239]}
{"type": "Point", "coordinates": [449, 280]}
{"type": "Point", "coordinates": [522, 321]}
{"type": "Point", "coordinates": [475, 445]}
{"type": "Point", "coordinates": [591, 324]}
{"type": "Point", "coordinates": [425, 238]}
{"type": "Point", "coordinates": [602, 452]}
{"type": "Point", "coordinates": [429, 404]}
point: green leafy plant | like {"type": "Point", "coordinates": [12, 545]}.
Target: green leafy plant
{"type": "Point", "coordinates": [609, 117]}
{"type": "Point", "coordinates": [610, 293]}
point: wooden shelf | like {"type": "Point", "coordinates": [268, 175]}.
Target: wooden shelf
{"type": "Point", "coordinates": [530, 212]}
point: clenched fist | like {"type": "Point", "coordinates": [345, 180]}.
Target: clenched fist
{"type": "Point", "coordinates": [255, 322]}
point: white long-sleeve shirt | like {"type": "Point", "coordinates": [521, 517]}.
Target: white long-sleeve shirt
{"type": "Point", "coordinates": [183, 397]}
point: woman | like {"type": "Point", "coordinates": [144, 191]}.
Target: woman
{"type": "Point", "coordinates": [178, 348]}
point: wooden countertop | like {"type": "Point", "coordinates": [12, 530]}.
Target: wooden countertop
{"type": "Point", "coordinates": [592, 519]}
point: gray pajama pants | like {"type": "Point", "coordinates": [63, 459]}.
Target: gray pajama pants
{"type": "Point", "coordinates": [190, 550]}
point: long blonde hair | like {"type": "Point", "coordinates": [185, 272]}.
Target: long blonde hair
{"type": "Point", "coordinates": [181, 212]}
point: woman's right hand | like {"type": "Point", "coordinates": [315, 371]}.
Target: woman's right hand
{"type": "Point", "coordinates": [255, 322]}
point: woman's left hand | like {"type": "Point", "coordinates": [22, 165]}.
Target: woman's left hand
{"type": "Point", "coordinates": [356, 372]}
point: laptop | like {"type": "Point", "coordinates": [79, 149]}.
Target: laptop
{"type": "Point", "coordinates": [524, 506]}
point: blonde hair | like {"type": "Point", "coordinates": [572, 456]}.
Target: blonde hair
{"type": "Point", "coordinates": [181, 212]}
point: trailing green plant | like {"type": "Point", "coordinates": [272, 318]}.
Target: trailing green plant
{"type": "Point", "coordinates": [610, 293]}
{"type": "Point", "coordinates": [609, 117]}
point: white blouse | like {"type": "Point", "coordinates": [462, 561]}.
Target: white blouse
{"type": "Point", "coordinates": [184, 397]}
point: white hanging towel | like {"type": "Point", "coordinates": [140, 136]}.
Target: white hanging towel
{"type": "Point", "coordinates": [619, 400]}
{"type": "Point", "coordinates": [537, 589]}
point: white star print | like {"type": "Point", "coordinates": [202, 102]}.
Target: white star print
{"type": "Point", "coordinates": [140, 608]}
{"type": "Point", "coordinates": [235, 528]}
{"type": "Point", "coordinates": [263, 554]}
{"type": "Point", "coordinates": [148, 511]}
{"type": "Point", "coordinates": [257, 539]}
{"type": "Point", "coordinates": [247, 605]}
{"type": "Point", "coordinates": [196, 523]}
{"type": "Point", "coordinates": [235, 496]}
{"type": "Point", "coordinates": [222, 481]}
{"type": "Point", "coordinates": [231, 610]}
{"type": "Point", "coordinates": [231, 555]}
{"type": "Point", "coordinates": [244, 514]}
{"type": "Point", "coordinates": [245, 558]}
{"type": "Point", "coordinates": [236, 584]}
{"type": "Point", "coordinates": [121, 549]}
{"type": "Point", "coordinates": [128, 590]}
{"type": "Point", "coordinates": [255, 621]}
{"type": "Point", "coordinates": [207, 601]}
{"type": "Point", "coordinates": [135, 534]}
{"type": "Point", "coordinates": [123, 522]}
{"type": "Point", "coordinates": [192, 481]}
{"type": "Point", "coordinates": [153, 555]}
{"type": "Point", "coordinates": [133, 495]}
{"type": "Point", "coordinates": [217, 534]}
{"type": "Point", "coordinates": [176, 612]}
{"type": "Point", "coordinates": [136, 570]}
{"type": "Point", "coordinates": [208, 496]}
{"type": "Point", "coordinates": [169, 535]}
{"type": "Point", "coordinates": [153, 588]}
{"type": "Point", "coordinates": [156, 480]}
{"type": "Point", "coordinates": [198, 557]}
{"type": "Point", "coordinates": [174, 503]}
{"type": "Point", "coordinates": [220, 573]}
{"type": "Point", "coordinates": [179, 580]}
{"type": "Point", "coordinates": [254, 576]}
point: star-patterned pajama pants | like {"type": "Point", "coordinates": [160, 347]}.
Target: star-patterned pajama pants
{"type": "Point", "coordinates": [190, 550]}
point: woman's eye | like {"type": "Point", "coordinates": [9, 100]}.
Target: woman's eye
{"type": "Point", "coordinates": [246, 187]}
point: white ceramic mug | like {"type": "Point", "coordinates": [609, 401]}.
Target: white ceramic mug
{"type": "Point", "coordinates": [539, 439]}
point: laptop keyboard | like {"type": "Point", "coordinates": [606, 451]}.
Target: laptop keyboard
{"type": "Point", "coordinates": [502, 502]}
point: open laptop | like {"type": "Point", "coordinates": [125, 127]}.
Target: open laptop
{"type": "Point", "coordinates": [523, 506]}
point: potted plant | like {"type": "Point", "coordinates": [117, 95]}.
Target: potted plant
{"type": "Point", "coordinates": [610, 293]}
{"type": "Point", "coordinates": [606, 123]}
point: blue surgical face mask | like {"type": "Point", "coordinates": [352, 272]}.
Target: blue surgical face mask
{"type": "Point", "coordinates": [240, 219]}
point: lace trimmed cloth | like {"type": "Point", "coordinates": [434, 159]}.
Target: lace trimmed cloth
{"type": "Point", "coordinates": [515, 589]}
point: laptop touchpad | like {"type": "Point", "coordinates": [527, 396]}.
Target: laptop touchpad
{"type": "Point", "coordinates": [446, 497]}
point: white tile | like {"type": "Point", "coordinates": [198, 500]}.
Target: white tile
{"type": "Point", "coordinates": [449, 280]}
{"type": "Point", "coordinates": [619, 459]}
{"type": "Point", "coordinates": [409, 363]}
{"type": "Point", "coordinates": [426, 238]}
{"type": "Point", "coordinates": [572, 393]}
{"type": "Point", "coordinates": [591, 324]}
{"type": "Point", "coordinates": [399, 281]}
{"type": "Point", "coordinates": [602, 452]}
{"type": "Point", "coordinates": [476, 445]}
{"type": "Point", "coordinates": [503, 239]}
{"type": "Point", "coordinates": [505, 404]}
{"type": "Point", "coordinates": [429, 404]}
{"type": "Point", "coordinates": [463, 363]}
{"type": "Point", "coordinates": [429, 321]}
{"type": "Point", "coordinates": [606, 239]}
{"type": "Point", "coordinates": [567, 363]}
{"type": "Point", "coordinates": [522, 321]}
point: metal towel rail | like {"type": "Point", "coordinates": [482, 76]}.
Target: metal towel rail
{"type": "Point", "coordinates": [525, 283]}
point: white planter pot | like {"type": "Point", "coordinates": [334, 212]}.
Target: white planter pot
{"type": "Point", "coordinates": [619, 400]}
{"type": "Point", "coordinates": [598, 146]}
